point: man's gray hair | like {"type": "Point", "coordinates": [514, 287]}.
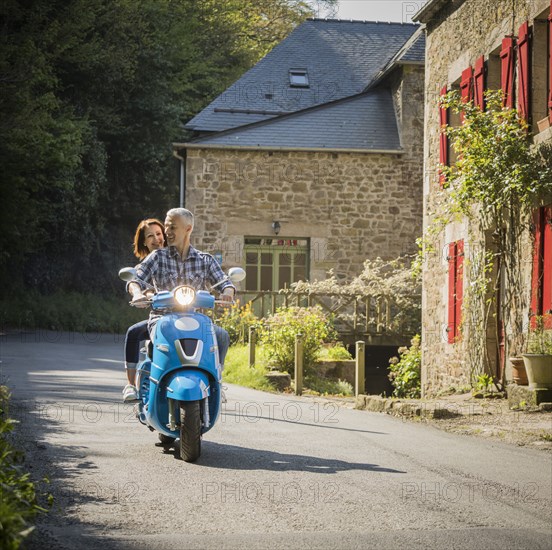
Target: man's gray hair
{"type": "Point", "coordinates": [183, 213]}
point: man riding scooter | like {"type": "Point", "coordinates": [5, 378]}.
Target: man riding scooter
{"type": "Point", "coordinates": [180, 264]}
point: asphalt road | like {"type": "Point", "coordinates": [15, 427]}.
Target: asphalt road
{"type": "Point", "coordinates": [276, 472]}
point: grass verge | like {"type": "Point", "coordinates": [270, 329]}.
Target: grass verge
{"type": "Point", "coordinates": [238, 371]}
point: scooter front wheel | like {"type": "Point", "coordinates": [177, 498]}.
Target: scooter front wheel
{"type": "Point", "coordinates": [190, 430]}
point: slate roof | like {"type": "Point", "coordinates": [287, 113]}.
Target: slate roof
{"type": "Point", "coordinates": [365, 122]}
{"type": "Point", "coordinates": [341, 57]}
{"type": "Point", "coordinates": [412, 52]}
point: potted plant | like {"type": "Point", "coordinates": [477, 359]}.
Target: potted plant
{"type": "Point", "coordinates": [519, 373]}
{"type": "Point", "coordinates": [538, 359]}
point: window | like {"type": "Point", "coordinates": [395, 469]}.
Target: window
{"type": "Point", "coordinates": [298, 78]}
{"type": "Point", "coordinates": [455, 260]}
{"type": "Point", "coordinates": [540, 76]}
{"type": "Point", "coordinates": [541, 287]}
{"type": "Point", "coordinates": [494, 69]}
{"type": "Point", "coordinates": [272, 264]}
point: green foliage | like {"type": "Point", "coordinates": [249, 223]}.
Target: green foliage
{"type": "Point", "coordinates": [540, 339]}
{"type": "Point", "coordinates": [92, 94]}
{"type": "Point", "coordinates": [278, 334]}
{"type": "Point", "coordinates": [496, 167]}
{"type": "Point", "coordinates": [405, 372]}
{"type": "Point", "coordinates": [237, 320]}
{"type": "Point", "coordinates": [237, 369]}
{"type": "Point", "coordinates": [18, 496]}
{"type": "Point", "coordinates": [336, 352]}
{"type": "Point", "coordinates": [324, 386]}
{"type": "Point", "coordinates": [69, 311]}
{"type": "Point", "coordinates": [484, 382]}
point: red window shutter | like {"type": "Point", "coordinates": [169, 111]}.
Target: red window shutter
{"type": "Point", "coordinates": [547, 266]}
{"type": "Point", "coordinates": [479, 82]}
{"type": "Point", "coordinates": [507, 71]}
{"type": "Point", "coordinates": [550, 63]}
{"type": "Point", "coordinates": [443, 138]}
{"type": "Point", "coordinates": [466, 87]}
{"type": "Point", "coordinates": [523, 71]}
{"type": "Point", "coordinates": [459, 287]}
{"type": "Point", "coordinates": [536, 279]}
{"type": "Point", "coordinates": [455, 289]}
{"type": "Point", "coordinates": [451, 326]}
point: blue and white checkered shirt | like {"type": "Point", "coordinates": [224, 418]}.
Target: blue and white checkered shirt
{"type": "Point", "coordinates": [166, 267]}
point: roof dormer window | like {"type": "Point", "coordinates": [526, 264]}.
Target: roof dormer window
{"type": "Point", "coordinates": [298, 78]}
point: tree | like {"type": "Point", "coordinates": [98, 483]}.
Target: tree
{"type": "Point", "coordinates": [92, 94]}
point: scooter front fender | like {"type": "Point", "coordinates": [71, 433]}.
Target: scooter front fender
{"type": "Point", "coordinates": [188, 385]}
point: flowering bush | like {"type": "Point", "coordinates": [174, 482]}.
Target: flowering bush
{"type": "Point", "coordinates": [405, 372]}
{"type": "Point", "coordinates": [236, 320]}
{"type": "Point", "coordinates": [395, 282]}
{"type": "Point", "coordinates": [278, 334]}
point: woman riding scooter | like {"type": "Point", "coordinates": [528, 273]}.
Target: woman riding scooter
{"type": "Point", "coordinates": [149, 236]}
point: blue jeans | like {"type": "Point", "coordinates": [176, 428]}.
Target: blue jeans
{"type": "Point", "coordinates": [134, 335]}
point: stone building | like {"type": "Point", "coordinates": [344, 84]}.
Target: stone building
{"type": "Point", "coordinates": [472, 45]}
{"type": "Point", "coordinates": [313, 159]}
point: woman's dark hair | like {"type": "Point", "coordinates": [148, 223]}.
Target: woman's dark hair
{"type": "Point", "coordinates": [140, 248]}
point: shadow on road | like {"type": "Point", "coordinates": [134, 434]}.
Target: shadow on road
{"type": "Point", "coordinates": [232, 457]}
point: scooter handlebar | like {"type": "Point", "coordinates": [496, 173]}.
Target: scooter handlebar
{"type": "Point", "coordinates": [141, 302]}
{"type": "Point", "coordinates": [224, 302]}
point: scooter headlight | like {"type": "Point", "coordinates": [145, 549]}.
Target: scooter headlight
{"type": "Point", "coordinates": [184, 295]}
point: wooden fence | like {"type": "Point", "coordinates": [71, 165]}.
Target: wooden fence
{"type": "Point", "coordinates": [352, 314]}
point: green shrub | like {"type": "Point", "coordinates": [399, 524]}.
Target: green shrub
{"type": "Point", "coordinates": [405, 372]}
{"type": "Point", "coordinates": [18, 497]}
{"type": "Point", "coordinates": [484, 382]}
{"type": "Point", "coordinates": [70, 311]}
{"type": "Point", "coordinates": [236, 320]}
{"type": "Point", "coordinates": [324, 386]}
{"type": "Point", "coordinates": [278, 334]}
{"type": "Point", "coordinates": [336, 352]}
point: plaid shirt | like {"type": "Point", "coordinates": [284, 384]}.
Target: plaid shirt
{"type": "Point", "coordinates": [166, 267]}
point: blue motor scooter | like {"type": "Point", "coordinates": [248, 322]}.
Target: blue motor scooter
{"type": "Point", "coordinates": [179, 380]}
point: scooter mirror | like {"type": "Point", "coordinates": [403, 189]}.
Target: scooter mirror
{"type": "Point", "coordinates": [127, 274]}
{"type": "Point", "coordinates": [236, 274]}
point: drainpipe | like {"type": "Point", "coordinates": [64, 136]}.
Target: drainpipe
{"type": "Point", "coordinates": [182, 202]}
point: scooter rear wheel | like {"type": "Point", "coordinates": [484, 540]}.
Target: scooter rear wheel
{"type": "Point", "coordinates": [190, 430]}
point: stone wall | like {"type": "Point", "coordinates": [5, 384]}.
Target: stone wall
{"type": "Point", "coordinates": [456, 37]}
{"type": "Point", "coordinates": [352, 206]}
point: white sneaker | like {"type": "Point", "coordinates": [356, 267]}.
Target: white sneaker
{"type": "Point", "coordinates": [130, 394]}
